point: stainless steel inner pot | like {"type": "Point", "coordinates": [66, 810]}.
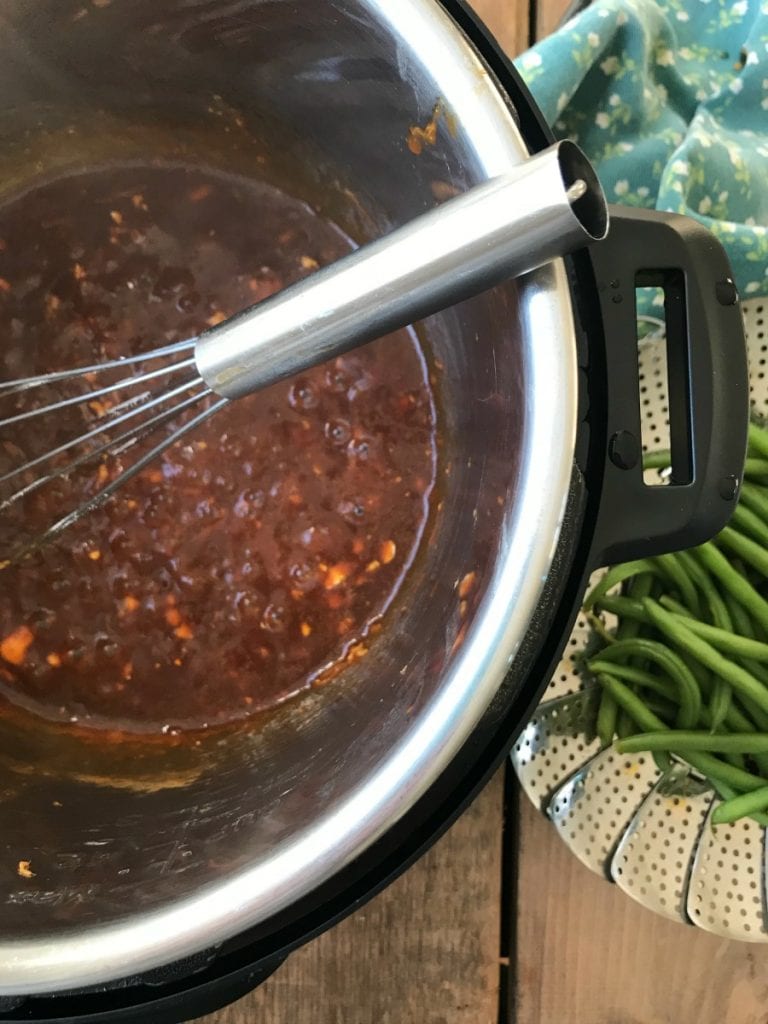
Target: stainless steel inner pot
{"type": "Point", "coordinates": [147, 862]}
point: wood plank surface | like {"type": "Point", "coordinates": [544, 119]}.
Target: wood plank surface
{"type": "Point", "coordinates": [588, 954]}
{"type": "Point", "coordinates": [508, 20]}
{"type": "Point", "coordinates": [549, 14]}
{"type": "Point", "coordinates": [425, 951]}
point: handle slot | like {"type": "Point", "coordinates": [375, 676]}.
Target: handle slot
{"type": "Point", "coordinates": [677, 436]}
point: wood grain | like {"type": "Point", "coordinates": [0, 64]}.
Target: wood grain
{"type": "Point", "coordinates": [508, 20]}
{"type": "Point", "coordinates": [425, 951]}
{"type": "Point", "coordinates": [549, 14]}
{"type": "Point", "coordinates": [588, 954]}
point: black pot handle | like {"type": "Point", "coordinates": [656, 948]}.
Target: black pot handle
{"type": "Point", "coordinates": [708, 386]}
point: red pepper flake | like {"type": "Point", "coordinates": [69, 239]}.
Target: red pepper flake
{"type": "Point", "coordinates": [79, 272]}
{"type": "Point", "coordinates": [467, 585]}
{"type": "Point", "coordinates": [116, 216]}
{"type": "Point", "coordinates": [53, 660]}
{"type": "Point", "coordinates": [387, 551]}
{"type": "Point", "coordinates": [138, 202]}
{"type": "Point", "coordinates": [373, 566]}
{"type": "Point", "coordinates": [184, 632]}
{"type": "Point", "coordinates": [217, 318]}
{"type": "Point", "coordinates": [15, 646]}
{"type": "Point", "coordinates": [130, 604]}
{"type": "Point", "coordinates": [336, 575]}
{"type": "Point", "coordinates": [127, 670]}
{"type": "Point", "coordinates": [5, 286]}
{"type": "Point", "coordinates": [24, 869]}
{"type": "Point", "coordinates": [173, 617]}
{"type": "Point", "coordinates": [459, 639]}
{"type": "Point", "coordinates": [418, 137]}
{"type": "Point", "coordinates": [306, 629]}
{"type": "Point", "coordinates": [356, 653]}
{"type": "Point", "coordinates": [308, 263]}
{"type": "Point", "coordinates": [94, 555]}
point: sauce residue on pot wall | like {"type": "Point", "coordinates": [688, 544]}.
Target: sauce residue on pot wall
{"type": "Point", "coordinates": [262, 548]}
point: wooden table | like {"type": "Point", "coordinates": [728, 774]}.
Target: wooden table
{"type": "Point", "coordinates": [490, 928]}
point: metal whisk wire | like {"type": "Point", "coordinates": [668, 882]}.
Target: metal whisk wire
{"type": "Point", "coordinates": [166, 407]}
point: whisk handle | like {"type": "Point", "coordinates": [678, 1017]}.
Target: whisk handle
{"type": "Point", "coordinates": [550, 205]}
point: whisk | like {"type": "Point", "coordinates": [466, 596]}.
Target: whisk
{"type": "Point", "coordinates": [550, 205]}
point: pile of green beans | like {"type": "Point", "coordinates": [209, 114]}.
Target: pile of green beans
{"type": "Point", "coordinates": [685, 671]}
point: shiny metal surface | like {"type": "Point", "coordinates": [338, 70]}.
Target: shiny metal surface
{"type": "Point", "coordinates": [152, 856]}
{"type": "Point", "coordinates": [546, 207]}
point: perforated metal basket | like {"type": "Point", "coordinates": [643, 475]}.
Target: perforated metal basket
{"type": "Point", "coordinates": [646, 831]}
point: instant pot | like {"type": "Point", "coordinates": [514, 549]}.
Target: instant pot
{"type": "Point", "coordinates": [166, 887]}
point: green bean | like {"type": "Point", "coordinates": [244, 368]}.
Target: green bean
{"type": "Point", "coordinates": [657, 460]}
{"type": "Point", "coordinates": [677, 629]}
{"type": "Point", "coordinates": [674, 606]}
{"type": "Point", "coordinates": [721, 695]}
{"type": "Point", "coordinates": [733, 717]}
{"type": "Point", "coordinates": [637, 588]}
{"type": "Point", "coordinates": [663, 707]}
{"type": "Point", "coordinates": [755, 498]}
{"type": "Point", "coordinates": [726, 793]}
{"type": "Point", "coordinates": [714, 768]}
{"type": "Point", "coordinates": [617, 575]}
{"type": "Point", "coordinates": [756, 467]}
{"type": "Point", "coordinates": [741, 806]}
{"type": "Point", "coordinates": [685, 740]}
{"type": "Point", "coordinates": [742, 590]}
{"type": "Point", "coordinates": [627, 608]}
{"type": "Point", "coordinates": [599, 628]}
{"type": "Point", "coordinates": [629, 673]}
{"type": "Point", "coordinates": [624, 726]}
{"type": "Point", "coordinates": [672, 567]}
{"type": "Point", "coordinates": [689, 696]}
{"type": "Point", "coordinates": [607, 714]}
{"type": "Point", "coordinates": [740, 616]}
{"type": "Point", "coordinates": [746, 548]}
{"type": "Point", "coordinates": [703, 581]}
{"type": "Point", "coordinates": [758, 439]}
{"type": "Point", "coordinates": [708, 765]}
{"type": "Point", "coordinates": [631, 704]}
{"type": "Point", "coordinates": [732, 643]}
{"type": "Point", "coordinates": [748, 522]}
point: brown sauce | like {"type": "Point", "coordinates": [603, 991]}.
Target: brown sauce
{"type": "Point", "coordinates": [258, 551]}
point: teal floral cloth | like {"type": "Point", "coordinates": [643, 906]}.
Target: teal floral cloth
{"type": "Point", "coordinates": [669, 99]}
